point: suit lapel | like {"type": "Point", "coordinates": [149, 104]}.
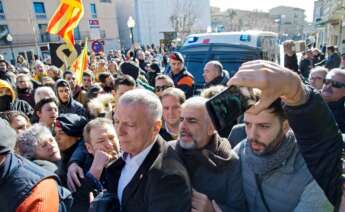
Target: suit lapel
{"type": "Point", "coordinates": [113, 173]}
{"type": "Point", "coordinates": [143, 169]}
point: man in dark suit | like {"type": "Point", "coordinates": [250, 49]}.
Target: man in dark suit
{"type": "Point", "coordinates": [148, 176]}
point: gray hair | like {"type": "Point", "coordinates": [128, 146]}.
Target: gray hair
{"type": "Point", "coordinates": [196, 102]}
{"type": "Point", "coordinates": [217, 65]}
{"type": "Point", "coordinates": [42, 92]}
{"type": "Point", "coordinates": [319, 69]}
{"type": "Point", "coordinates": [212, 91]}
{"type": "Point", "coordinates": [146, 99]}
{"type": "Point", "coordinates": [29, 139]}
{"type": "Point", "coordinates": [97, 122]}
{"type": "Point", "coordinates": [169, 81]}
{"type": "Point", "coordinates": [337, 71]}
{"type": "Point", "coordinates": [174, 92]}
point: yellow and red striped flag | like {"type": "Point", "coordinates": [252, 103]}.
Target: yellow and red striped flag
{"type": "Point", "coordinates": [79, 65]}
{"type": "Point", "coordinates": [65, 19]}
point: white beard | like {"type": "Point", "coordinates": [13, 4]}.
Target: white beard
{"type": "Point", "coordinates": [187, 145]}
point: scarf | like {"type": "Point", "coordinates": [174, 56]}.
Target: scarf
{"type": "Point", "coordinates": [263, 164]}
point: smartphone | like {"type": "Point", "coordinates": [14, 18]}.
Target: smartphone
{"type": "Point", "coordinates": [227, 106]}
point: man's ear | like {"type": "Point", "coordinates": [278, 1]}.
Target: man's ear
{"type": "Point", "coordinates": [210, 129]}
{"type": "Point", "coordinates": [38, 113]}
{"type": "Point", "coordinates": [89, 148]}
{"type": "Point", "coordinates": [286, 126]}
{"type": "Point", "coordinates": [157, 126]}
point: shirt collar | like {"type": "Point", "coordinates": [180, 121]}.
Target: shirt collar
{"type": "Point", "coordinates": [139, 158]}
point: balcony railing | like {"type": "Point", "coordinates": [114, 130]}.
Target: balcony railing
{"type": "Point", "coordinates": [333, 9]}
{"type": "Point", "coordinates": [46, 38]}
{"type": "Point", "coordinates": [29, 39]}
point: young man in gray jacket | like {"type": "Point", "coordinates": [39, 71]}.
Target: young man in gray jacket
{"type": "Point", "coordinates": [284, 169]}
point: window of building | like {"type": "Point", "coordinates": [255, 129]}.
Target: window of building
{"type": "Point", "coordinates": [3, 32]}
{"type": "Point", "coordinates": [2, 12]}
{"type": "Point", "coordinates": [93, 10]}
{"type": "Point", "coordinates": [44, 35]}
{"type": "Point", "coordinates": [1, 7]}
{"type": "Point", "coordinates": [39, 9]}
{"type": "Point", "coordinates": [77, 33]}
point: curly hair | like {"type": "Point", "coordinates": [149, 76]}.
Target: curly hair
{"type": "Point", "coordinates": [28, 140]}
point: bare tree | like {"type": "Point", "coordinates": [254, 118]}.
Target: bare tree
{"type": "Point", "coordinates": [183, 18]}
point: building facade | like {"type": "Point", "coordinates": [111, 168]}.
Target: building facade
{"type": "Point", "coordinates": [329, 22]}
{"type": "Point", "coordinates": [159, 20]}
{"type": "Point", "coordinates": [241, 20]}
{"type": "Point", "coordinates": [26, 22]}
{"type": "Point", "coordinates": [291, 21]}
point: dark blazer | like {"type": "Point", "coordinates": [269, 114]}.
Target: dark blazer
{"type": "Point", "coordinates": [160, 184]}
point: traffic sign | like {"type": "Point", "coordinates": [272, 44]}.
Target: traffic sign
{"type": "Point", "coordinates": [97, 46]}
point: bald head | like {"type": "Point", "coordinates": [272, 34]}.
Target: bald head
{"type": "Point", "coordinates": [212, 70]}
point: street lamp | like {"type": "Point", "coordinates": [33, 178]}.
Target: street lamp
{"type": "Point", "coordinates": [131, 25]}
{"type": "Point", "coordinates": [9, 39]}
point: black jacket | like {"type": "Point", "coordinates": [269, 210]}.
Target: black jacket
{"type": "Point", "coordinates": [291, 62]}
{"type": "Point", "coordinates": [184, 81]}
{"type": "Point", "coordinates": [73, 107]}
{"type": "Point", "coordinates": [320, 142]}
{"type": "Point", "coordinates": [23, 106]}
{"type": "Point", "coordinates": [220, 80]}
{"type": "Point", "coordinates": [166, 135]}
{"type": "Point", "coordinates": [305, 66]}
{"type": "Point", "coordinates": [161, 183]}
{"type": "Point", "coordinates": [338, 111]}
{"type": "Point", "coordinates": [215, 171]}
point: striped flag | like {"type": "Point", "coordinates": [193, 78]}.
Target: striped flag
{"type": "Point", "coordinates": [80, 64]}
{"type": "Point", "coordinates": [65, 19]}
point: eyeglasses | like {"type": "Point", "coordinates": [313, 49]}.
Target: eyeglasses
{"type": "Point", "coordinates": [161, 88]}
{"type": "Point", "coordinates": [333, 83]}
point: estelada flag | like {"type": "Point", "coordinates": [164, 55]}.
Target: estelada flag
{"type": "Point", "coordinates": [65, 19]}
{"type": "Point", "coordinates": [80, 65]}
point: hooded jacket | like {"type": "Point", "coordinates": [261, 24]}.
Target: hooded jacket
{"type": "Point", "coordinates": [14, 103]}
{"type": "Point", "coordinates": [72, 106]}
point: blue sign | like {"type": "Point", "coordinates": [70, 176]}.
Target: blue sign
{"type": "Point", "coordinates": [245, 38]}
{"type": "Point", "coordinates": [97, 46]}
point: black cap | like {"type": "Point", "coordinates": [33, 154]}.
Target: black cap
{"type": "Point", "coordinates": [130, 69]}
{"type": "Point", "coordinates": [94, 90]}
{"type": "Point", "coordinates": [71, 124]}
{"type": "Point", "coordinates": [8, 137]}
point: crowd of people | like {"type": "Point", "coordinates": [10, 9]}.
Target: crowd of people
{"type": "Point", "coordinates": [135, 135]}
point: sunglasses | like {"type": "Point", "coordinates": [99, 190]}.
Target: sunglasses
{"type": "Point", "coordinates": [333, 83]}
{"type": "Point", "coordinates": [161, 88]}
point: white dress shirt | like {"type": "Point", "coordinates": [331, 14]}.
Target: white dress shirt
{"type": "Point", "coordinates": [131, 167]}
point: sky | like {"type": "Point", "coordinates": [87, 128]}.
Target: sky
{"type": "Point", "coordinates": [265, 5]}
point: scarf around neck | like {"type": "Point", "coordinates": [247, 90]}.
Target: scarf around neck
{"type": "Point", "coordinates": [263, 164]}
